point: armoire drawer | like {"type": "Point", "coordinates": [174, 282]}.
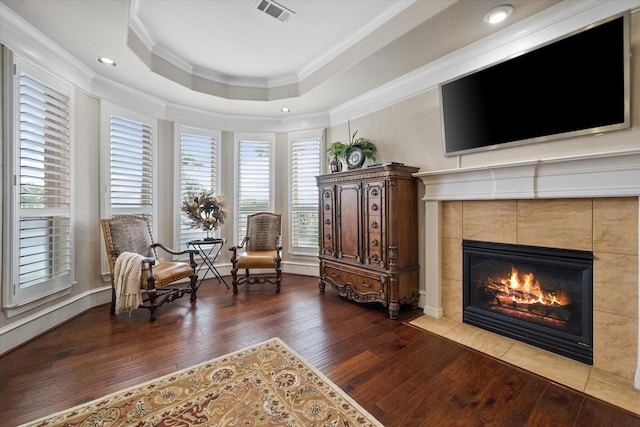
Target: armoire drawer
{"type": "Point", "coordinates": [360, 282]}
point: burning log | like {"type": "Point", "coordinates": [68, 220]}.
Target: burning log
{"type": "Point", "coordinates": [503, 289]}
{"type": "Point", "coordinates": [526, 300]}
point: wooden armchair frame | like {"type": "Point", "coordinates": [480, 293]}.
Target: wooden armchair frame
{"type": "Point", "coordinates": [132, 233]}
{"type": "Point", "coordinates": [263, 250]}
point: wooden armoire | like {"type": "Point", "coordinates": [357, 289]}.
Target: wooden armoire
{"type": "Point", "coordinates": [368, 235]}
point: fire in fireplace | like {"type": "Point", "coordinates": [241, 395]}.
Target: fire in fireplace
{"type": "Point", "coordinates": [541, 296]}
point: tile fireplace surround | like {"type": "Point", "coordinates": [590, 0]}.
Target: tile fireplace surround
{"type": "Point", "coordinates": [585, 203]}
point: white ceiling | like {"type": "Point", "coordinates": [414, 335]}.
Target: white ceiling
{"type": "Point", "coordinates": [236, 40]}
{"type": "Point", "coordinates": [227, 57]}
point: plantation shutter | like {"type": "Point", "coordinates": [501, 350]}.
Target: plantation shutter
{"type": "Point", "coordinates": [45, 261]}
{"type": "Point", "coordinates": [198, 162]}
{"type": "Point", "coordinates": [305, 166]}
{"type": "Point", "coordinates": [254, 181]}
{"type": "Point", "coordinates": [131, 167]}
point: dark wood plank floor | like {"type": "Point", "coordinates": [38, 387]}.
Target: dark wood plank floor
{"type": "Point", "coordinates": [404, 376]}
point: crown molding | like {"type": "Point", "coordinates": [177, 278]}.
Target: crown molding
{"type": "Point", "coordinates": [137, 28]}
{"type": "Point", "coordinates": [199, 118]}
{"type": "Point", "coordinates": [553, 23]}
{"type": "Point", "coordinates": [353, 39]}
{"type": "Point", "coordinates": [25, 40]}
{"type": "Point", "coordinates": [564, 18]}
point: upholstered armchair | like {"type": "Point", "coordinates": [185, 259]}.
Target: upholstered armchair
{"type": "Point", "coordinates": [138, 279]}
{"type": "Point", "coordinates": [262, 250]}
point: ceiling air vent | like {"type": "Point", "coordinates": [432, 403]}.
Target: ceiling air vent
{"type": "Point", "coordinates": [275, 10]}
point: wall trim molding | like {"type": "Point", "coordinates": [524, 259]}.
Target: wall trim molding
{"type": "Point", "coordinates": [548, 25]}
{"type": "Point", "coordinates": [559, 20]}
{"type": "Point", "coordinates": [288, 267]}
{"type": "Point", "coordinates": [36, 324]}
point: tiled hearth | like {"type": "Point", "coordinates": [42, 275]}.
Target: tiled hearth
{"type": "Point", "coordinates": [592, 381]}
{"type": "Point", "coordinates": [587, 203]}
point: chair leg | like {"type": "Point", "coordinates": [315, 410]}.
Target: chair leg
{"type": "Point", "coordinates": [234, 277]}
{"type": "Point", "coordinates": [113, 300]}
{"type": "Point", "coordinates": [278, 277]}
{"type": "Point", "coordinates": [194, 288]}
{"type": "Point", "coordinates": [152, 305]}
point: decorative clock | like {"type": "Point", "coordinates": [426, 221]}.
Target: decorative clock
{"type": "Point", "coordinates": [355, 158]}
{"type": "Point", "coordinates": [354, 153]}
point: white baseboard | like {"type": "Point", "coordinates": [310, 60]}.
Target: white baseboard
{"type": "Point", "coordinates": [24, 330]}
{"type": "Point", "coordinates": [305, 269]}
{"type": "Point", "coordinates": [432, 311]}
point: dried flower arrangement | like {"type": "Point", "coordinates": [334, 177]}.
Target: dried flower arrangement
{"type": "Point", "coordinates": [205, 210]}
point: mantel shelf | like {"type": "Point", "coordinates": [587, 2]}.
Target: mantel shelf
{"type": "Point", "coordinates": [608, 175]}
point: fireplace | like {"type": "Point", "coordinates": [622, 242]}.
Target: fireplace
{"type": "Point", "coordinates": [538, 295]}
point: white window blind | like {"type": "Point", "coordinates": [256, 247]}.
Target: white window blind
{"type": "Point", "coordinates": [198, 164]}
{"type": "Point", "coordinates": [44, 236]}
{"type": "Point", "coordinates": [131, 166]}
{"type": "Point", "coordinates": [305, 166]}
{"type": "Point", "coordinates": [254, 180]}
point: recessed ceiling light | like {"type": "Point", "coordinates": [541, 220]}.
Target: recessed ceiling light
{"type": "Point", "coordinates": [107, 61]}
{"type": "Point", "coordinates": [498, 14]}
{"type": "Point", "coordinates": [285, 109]}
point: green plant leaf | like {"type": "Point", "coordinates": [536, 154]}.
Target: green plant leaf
{"type": "Point", "coordinates": [340, 149]}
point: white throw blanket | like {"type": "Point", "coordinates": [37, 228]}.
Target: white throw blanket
{"type": "Point", "coordinates": [127, 281]}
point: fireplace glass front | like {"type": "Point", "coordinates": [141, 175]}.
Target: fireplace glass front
{"type": "Point", "coordinates": [537, 295]}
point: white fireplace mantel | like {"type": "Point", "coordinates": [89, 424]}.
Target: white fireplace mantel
{"type": "Point", "coordinates": [608, 175]}
{"type": "Point", "coordinates": [605, 175]}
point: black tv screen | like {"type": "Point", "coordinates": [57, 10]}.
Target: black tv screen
{"type": "Point", "coordinates": [574, 86]}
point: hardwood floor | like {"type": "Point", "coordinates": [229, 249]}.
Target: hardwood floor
{"type": "Point", "coordinates": [402, 375]}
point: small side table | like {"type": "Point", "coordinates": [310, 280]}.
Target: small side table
{"type": "Point", "coordinates": [209, 249]}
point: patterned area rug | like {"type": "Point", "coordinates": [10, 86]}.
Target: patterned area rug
{"type": "Point", "coordinates": [267, 384]}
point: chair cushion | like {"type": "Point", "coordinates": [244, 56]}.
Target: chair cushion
{"type": "Point", "coordinates": [167, 272]}
{"type": "Point", "coordinates": [257, 259]}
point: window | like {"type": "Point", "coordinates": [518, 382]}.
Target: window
{"type": "Point", "coordinates": [41, 232]}
{"type": "Point", "coordinates": [198, 171]}
{"type": "Point", "coordinates": [129, 163]}
{"type": "Point", "coordinates": [305, 163]}
{"type": "Point", "coordinates": [128, 159]}
{"type": "Point", "coordinates": [254, 180]}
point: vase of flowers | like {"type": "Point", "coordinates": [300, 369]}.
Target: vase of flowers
{"type": "Point", "coordinates": [205, 210]}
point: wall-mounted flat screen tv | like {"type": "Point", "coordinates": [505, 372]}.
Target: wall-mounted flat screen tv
{"type": "Point", "coordinates": [574, 86]}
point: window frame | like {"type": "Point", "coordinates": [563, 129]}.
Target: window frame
{"type": "Point", "coordinates": [293, 137]}
{"type": "Point", "coordinates": [109, 109]}
{"type": "Point", "coordinates": [18, 299]}
{"type": "Point", "coordinates": [181, 129]}
{"type": "Point", "coordinates": [239, 137]}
